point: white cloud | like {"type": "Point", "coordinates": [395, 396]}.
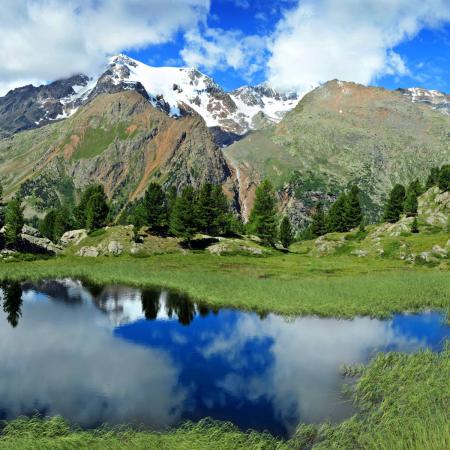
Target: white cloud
{"type": "Point", "coordinates": [352, 40]}
{"type": "Point", "coordinates": [48, 39]}
{"type": "Point", "coordinates": [217, 49]}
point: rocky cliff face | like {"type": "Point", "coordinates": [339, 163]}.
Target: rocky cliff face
{"type": "Point", "coordinates": [29, 106]}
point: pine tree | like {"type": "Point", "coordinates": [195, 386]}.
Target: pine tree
{"type": "Point", "coordinates": [433, 178]}
{"type": "Point", "coordinates": [183, 221]}
{"type": "Point", "coordinates": [81, 211]}
{"type": "Point", "coordinates": [336, 219]}
{"type": "Point", "coordinates": [47, 224]}
{"type": "Point", "coordinates": [394, 205]}
{"type": "Point", "coordinates": [444, 178]}
{"type": "Point", "coordinates": [262, 219]}
{"type": "Point", "coordinates": [63, 222]}
{"type": "Point", "coordinates": [286, 232]}
{"type": "Point", "coordinates": [353, 210]}
{"type": "Point", "coordinates": [214, 217]}
{"type": "Point", "coordinates": [414, 225]}
{"type": "Point", "coordinates": [411, 200]}
{"type": "Point", "coordinates": [97, 211]}
{"type": "Point", "coordinates": [13, 221]}
{"type": "Point", "coordinates": [318, 225]}
{"type": "Point", "coordinates": [155, 204]}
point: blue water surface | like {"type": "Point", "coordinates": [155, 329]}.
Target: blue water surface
{"type": "Point", "coordinates": [122, 355]}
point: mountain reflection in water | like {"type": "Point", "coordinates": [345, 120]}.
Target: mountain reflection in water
{"type": "Point", "coordinates": [124, 355]}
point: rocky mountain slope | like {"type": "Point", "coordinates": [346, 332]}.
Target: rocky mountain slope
{"type": "Point", "coordinates": [119, 140]}
{"type": "Point", "coordinates": [176, 91]}
{"type": "Point", "coordinates": [338, 134]}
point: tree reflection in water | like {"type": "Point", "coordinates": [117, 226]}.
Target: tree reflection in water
{"type": "Point", "coordinates": [12, 302]}
{"type": "Point", "coordinates": [150, 304]}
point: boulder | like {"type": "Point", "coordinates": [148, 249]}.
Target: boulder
{"type": "Point", "coordinates": [439, 252]}
{"type": "Point", "coordinates": [427, 257]}
{"type": "Point", "coordinates": [73, 237]}
{"type": "Point", "coordinates": [115, 248]}
{"type": "Point", "coordinates": [90, 252]}
{"type": "Point", "coordinates": [35, 244]}
{"type": "Point", "coordinates": [30, 231]}
{"type": "Point", "coordinates": [360, 253]}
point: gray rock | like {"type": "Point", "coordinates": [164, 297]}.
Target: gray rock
{"type": "Point", "coordinates": [30, 231]}
{"type": "Point", "coordinates": [360, 253]}
{"type": "Point", "coordinates": [115, 248]}
{"type": "Point", "coordinates": [439, 252]}
{"type": "Point", "coordinates": [41, 243]}
{"type": "Point", "coordinates": [90, 252]}
{"type": "Point", "coordinates": [428, 257]}
{"type": "Point", "coordinates": [73, 237]}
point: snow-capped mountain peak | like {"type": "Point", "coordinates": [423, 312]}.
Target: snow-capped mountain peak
{"type": "Point", "coordinates": [435, 99]}
{"type": "Point", "coordinates": [175, 90]}
{"type": "Point", "coordinates": [181, 89]}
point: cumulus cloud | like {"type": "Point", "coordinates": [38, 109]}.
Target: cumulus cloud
{"type": "Point", "coordinates": [217, 49]}
{"type": "Point", "coordinates": [48, 39]}
{"type": "Point", "coordinates": [352, 40]}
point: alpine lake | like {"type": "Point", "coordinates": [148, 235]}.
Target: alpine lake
{"type": "Point", "coordinates": [152, 358]}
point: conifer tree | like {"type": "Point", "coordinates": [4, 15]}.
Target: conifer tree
{"type": "Point", "coordinates": [414, 225]}
{"type": "Point", "coordinates": [81, 211]}
{"type": "Point", "coordinates": [411, 200]}
{"type": "Point", "coordinates": [47, 224]}
{"type": "Point", "coordinates": [318, 225]}
{"type": "Point", "coordinates": [286, 232]}
{"type": "Point", "coordinates": [156, 209]}
{"type": "Point", "coordinates": [394, 204]}
{"type": "Point", "coordinates": [353, 210]}
{"type": "Point", "coordinates": [444, 178]}
{"type": "Point", "coordinates": [213, 210]}
{"type": "Point", "coordinates": [262, 219]}
{"type": "Point", "coordinates": [433, 178]}
{"type": "Point", "coordinates": [97, 211]}
{"type": "Point", "coordinates": [183, 221]}
{"type": "Point", "coordinates": [14, 221]}
{"type": "Point", "coordinates": [336, 218]}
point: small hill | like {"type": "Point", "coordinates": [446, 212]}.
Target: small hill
{"type": "Point", "coordinates": [395, 241]}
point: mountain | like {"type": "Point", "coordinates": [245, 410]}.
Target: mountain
{"type": "Point", "coordinates": [135, 124]}
{"type": "Point", "coordinates": [434, 99]}
{"type": "Point", "coordinates": [338, 134]}
{"type": "Point", "coordinates": [120, 140]}
{"type": "Point", "coordinates": [176, 91]}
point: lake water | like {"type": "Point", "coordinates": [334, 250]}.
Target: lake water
{"type": "Point", "coordinates": [123, 355]}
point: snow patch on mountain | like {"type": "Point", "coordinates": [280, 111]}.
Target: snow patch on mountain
{"type": "Point", "coordinates": [435, 99]}
{"type": "Point", "coordinates": [187, 88]}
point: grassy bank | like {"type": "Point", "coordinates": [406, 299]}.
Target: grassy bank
{"type": "Point", "coordinates": [402, 401]}
{"type": "Point", "coordinates": [289, 284]}
{"type": "Point", "coordinates": [340, 286]}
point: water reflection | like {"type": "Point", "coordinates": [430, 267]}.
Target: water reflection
{"type": "Point", "coordinates": [12, 302]}
{"type": "Point", "coordinates": [120, 354]}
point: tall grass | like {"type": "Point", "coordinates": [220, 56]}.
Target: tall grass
{"type": "Point", "coordinates": [289, 284]}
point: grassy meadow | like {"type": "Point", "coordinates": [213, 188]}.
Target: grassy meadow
{"type": "Point", "coordinates": [285, 283]}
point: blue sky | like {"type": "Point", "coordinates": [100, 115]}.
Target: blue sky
{"type": "Point", "coordinates": [293, 44]}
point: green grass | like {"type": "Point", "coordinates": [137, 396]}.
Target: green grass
{"type": "Point", "coordinates": [339, 286]}
{"type": "Point", "coordinates": [402, 403]}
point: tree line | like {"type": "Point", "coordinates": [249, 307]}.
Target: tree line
{"type": "Point", "coordinates": [206, 210]}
